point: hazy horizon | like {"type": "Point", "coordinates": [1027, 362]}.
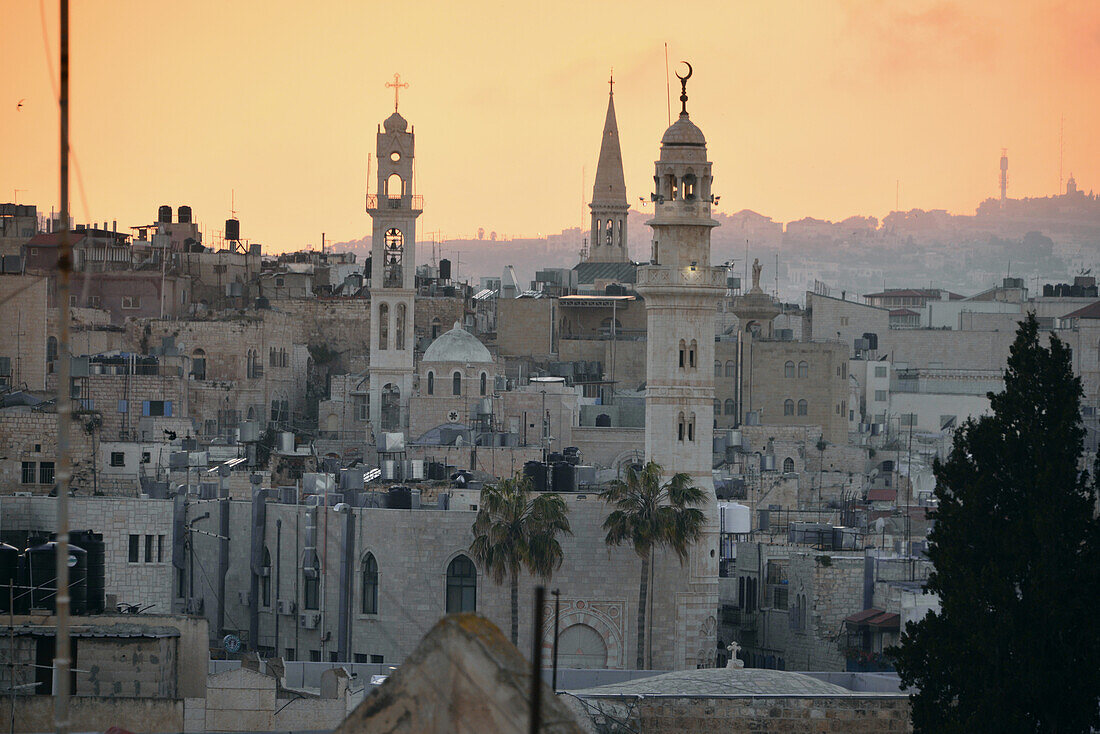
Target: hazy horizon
{"type": "Point", "coordinates": [820, 110]}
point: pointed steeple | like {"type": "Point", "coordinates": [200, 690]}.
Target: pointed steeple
{"type": "Point", "coordinates": [610, 185]}
{"type": "Point", "coordinates": [609, 206]}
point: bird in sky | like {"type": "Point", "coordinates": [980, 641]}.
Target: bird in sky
{"type": "Point", "coordinates": [20, 105]}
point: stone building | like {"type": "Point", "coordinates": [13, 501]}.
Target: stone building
{"type": "Point", "coordinates": [24, 352]}
{"type": "Point", "coordinates": [456, 374]}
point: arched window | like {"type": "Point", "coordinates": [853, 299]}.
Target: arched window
{"type": "Point", "coordinates": [484, 386]}
{"type": "Point", "coordinates": [717, 368]}
{"type": "Point", "coordinates": [311, 585]}
{"type": "Point", "coordinates": [254, 365]}
{"type": "Point", "coordinates": [370, 585]}
{"type": "Point", "coordinates": [399, 327]}
{"type": "Point", "coordinates": [689, 185]}
{"type": "Point", "coordinates": [803, 407]}
{"type": "Point", "coordinates": [788, 407]}
{"type": "Point", "coordinates": [435, 327]}
{"type": "Point", "coordinates": [788, 465]}
{"type": "Point", "coordinates": [394, 257]}
{"type": "Point", "coordinates": [731, 368]}
{"type": "Point", "coordinates": [717, 406]}
{"type": "Point", "coordinates": [383, 325]}
{"type": "Point", "coordinates": [461, 586]}
{"type": "Point", "coordinates": [395, 186]}
{"type": "Point", "coordinates": [431, 382]}
{"type": "Point", "coordinates": [691, 427]}
{"type": "Point", "coordinates": [456, 383]}
{"type": "Point", "coordinates": [731, 407]}
{"type": "Point", "coordinates": [788, 369]}
{"type": "Point", "coordinates": [803, 370]}
{"type": "Point", "coordinates": [265, 579]}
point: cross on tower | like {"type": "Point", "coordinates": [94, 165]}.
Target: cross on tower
{"type": "Point", "coordinates": [397, 87]}
{"type": "Point", "coordinates": [611, 81]}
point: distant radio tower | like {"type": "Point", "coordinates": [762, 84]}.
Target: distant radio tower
{"type": "Point", "coordinates": [1061, 149]}
{"type": "Point", "coordinates": [1004, 176]}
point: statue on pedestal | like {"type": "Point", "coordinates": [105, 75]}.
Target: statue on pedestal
{"type": "Point", "coordinates": [756, 268]}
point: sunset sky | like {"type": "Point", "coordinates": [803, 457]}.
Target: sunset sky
{"type": "Point", "coordinates": [809, 108]}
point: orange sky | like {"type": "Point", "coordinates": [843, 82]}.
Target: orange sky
{"type": "Point", "coordinates": [810, 108]}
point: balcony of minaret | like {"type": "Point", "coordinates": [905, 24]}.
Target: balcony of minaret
{"type": "Point", "coordinates": [409, 202]}
{"type": "Point", "coordinates": [704, 276]}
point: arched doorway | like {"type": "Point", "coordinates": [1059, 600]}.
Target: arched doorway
{"type": "Point", "coordinates": [580, 646]}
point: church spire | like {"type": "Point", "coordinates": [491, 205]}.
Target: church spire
{"type": "Point", "coordinates": [609, 205]}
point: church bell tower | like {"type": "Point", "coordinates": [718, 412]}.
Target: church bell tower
{"type": "Point", "coordinates": [394, 209]}
{"type": "Point", "coordinates": [681, 291]}
{"type": "Point", "coordinates": [609, 206]}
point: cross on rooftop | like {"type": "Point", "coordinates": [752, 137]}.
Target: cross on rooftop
{"type": "Point", "coordinates": [397, 87]}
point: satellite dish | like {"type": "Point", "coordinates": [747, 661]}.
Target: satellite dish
{"type": "Point", "coordinates": [231, 643]}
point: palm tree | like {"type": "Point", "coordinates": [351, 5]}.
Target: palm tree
{"type": "Point", "coordinates": [648, 515]}
{"type": "Point", "coordinates": [515, 530]}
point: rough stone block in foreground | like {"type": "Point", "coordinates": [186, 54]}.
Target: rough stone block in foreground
{"type": "Point", "coordinates": [464, 676]}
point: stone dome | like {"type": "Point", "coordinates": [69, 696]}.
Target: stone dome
{"type": "Point", "coordinates": [683, 132]}
{"type": "Point", "coordinates": [457, 345]}
{"type": "Point", "coordinates": [395, 123]}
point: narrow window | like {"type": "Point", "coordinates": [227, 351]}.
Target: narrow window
{"type": "Point", "coordinates": [717, 368]}
{"type": "Point", "coordinates": [456, 383]}
{"type": "Point", "coordinates": [160, 549]}
{"type": "Point", "coordinates": [370, 585]}
{"type": "Point", "coordinates": [731, 368]}
{"type": "Point", "coordinates": [788, 465]}
{"type": "Point", "coordinates": [484, 383]}
{"type": "Point", "coordinates": [311, 584]}
{"type": "Point", "coordinates": [135, 549]}
{"type": "Point", "coordinates": [730, 406]}
{"type": "Point", "coordinates": [45, 472]}
{"type": "Point", "coordinates": [803, 370]}
{"type": "Point", "coordinates": [788, 407]}
{"type": "Point", "coordinates": [383, 326]}
{"type": "Point", "coordinates": [265, 579]}
{"type": "Point", "coordinates": [788, 369]}
{"type": "Point", "coordinates": [399, 327]}
{"type": "Point", "coordinates": [148, 548]}
{"type": "Point", "coordinates": [431, 383]}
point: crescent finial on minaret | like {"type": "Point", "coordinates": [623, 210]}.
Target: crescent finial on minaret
{"type": "Point", "coordinates": [684, 89]}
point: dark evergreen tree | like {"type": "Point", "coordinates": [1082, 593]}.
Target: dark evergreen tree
{"type": "Point", "coordinates": [1016, 554]}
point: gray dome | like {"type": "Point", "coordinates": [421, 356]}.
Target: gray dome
{"type": "Point", "coordinates": [683, 132]}
{"type": "Point", "coordinates": [395, 123]}
{"type": "Point", "coordinates": [457, 345]}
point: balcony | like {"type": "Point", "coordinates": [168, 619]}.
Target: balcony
{"type": "Point", "coordinates": [401, 203]}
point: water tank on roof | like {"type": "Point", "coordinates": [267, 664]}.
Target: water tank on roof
{"type": "Point", "coordinates": [232, 229]}
{"type": "Point", "coordinates": [184, 216]}
{"type": "Point", "coordinates": [536, 472]}
{"type": "Point", "coordinates": [872, 341]}
{"type": "Point", "coordinates": [399, 498]}
{"type": "Point", "coordinates": [734, 517]}
{"type": "Point", "coordinates": [164, 214]}
{"type": "Point", "coordinates": [444, 269]}
{"type": "Point", "coordinates": [564, 477]}
{"type": "Point", "coordinates": [9, 575]}
{"type": "Point", "coordinates": [97, 568]}
{"type": "Point", "coordinates": [42, 577]}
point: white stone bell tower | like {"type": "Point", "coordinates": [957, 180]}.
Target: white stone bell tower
{"type": "Point", "coordinates": [393, 210]}
{"type": "Point", "coordinates": [681, 292]}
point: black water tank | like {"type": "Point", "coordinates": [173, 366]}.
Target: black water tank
{"type": "Point", "coordinates": [555, 457]}
{"type": "Point", "coordinates": [164, 214]}
{"type": "Point", "coordinates": [399, 498]}
{"type": "Point", "coordinates": [565, 477]}
{"type": "Point", "coordinates": [536, 472]}
{"type": "Point", "coordinates": [97, 568]}
{"type": "Point", "coordinates": [9, 576]}
{"type": "Point", "coordinates": [872, 341]}
{"type": "Point", "coordinates": [232, 229]}
{"type": "Point", "coordinates": [437, 470]}
{"type": "Point", "coordinates": [184, 216]}
{"type": "Point", "coordinates": [367, 267]}
{"type": "Point", "coordinates": [444, 269]}
{"type": "Point", "coordinates": [42, 577]}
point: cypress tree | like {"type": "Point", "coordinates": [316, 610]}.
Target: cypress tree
{"type": "Point", "coordinates": [1016, 555]}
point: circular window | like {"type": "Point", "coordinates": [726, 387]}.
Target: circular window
{"type": "Point", "coordinates": [395, 156]}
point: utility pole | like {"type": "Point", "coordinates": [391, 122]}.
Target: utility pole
{"type": "Point", "coordinates": [62, 662]}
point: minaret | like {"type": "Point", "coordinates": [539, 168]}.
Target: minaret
{"type": "Point", "coordinates": [681, 292]}
{"type": "Point", "coordinates": [609, 206]}
{"type": "Point", "coordinates": [393, 210]}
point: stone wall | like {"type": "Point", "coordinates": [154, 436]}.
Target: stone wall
{"type": "Point", "coordinates": [147, 584]}
{"type": "Point", "coordinates": [833, 586]}
{"type": "Point", "coordinates": [23, 328]}
{"type": "Point", "coordinates": [29, 436]}
{"type": "Point", "coordinates": [90, 713]}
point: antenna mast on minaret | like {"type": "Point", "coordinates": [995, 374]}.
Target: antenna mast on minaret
{"type": "Point", "coordinates": [1004, 176]}
{"type": "Point", "coordinates": [1061, 150]}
